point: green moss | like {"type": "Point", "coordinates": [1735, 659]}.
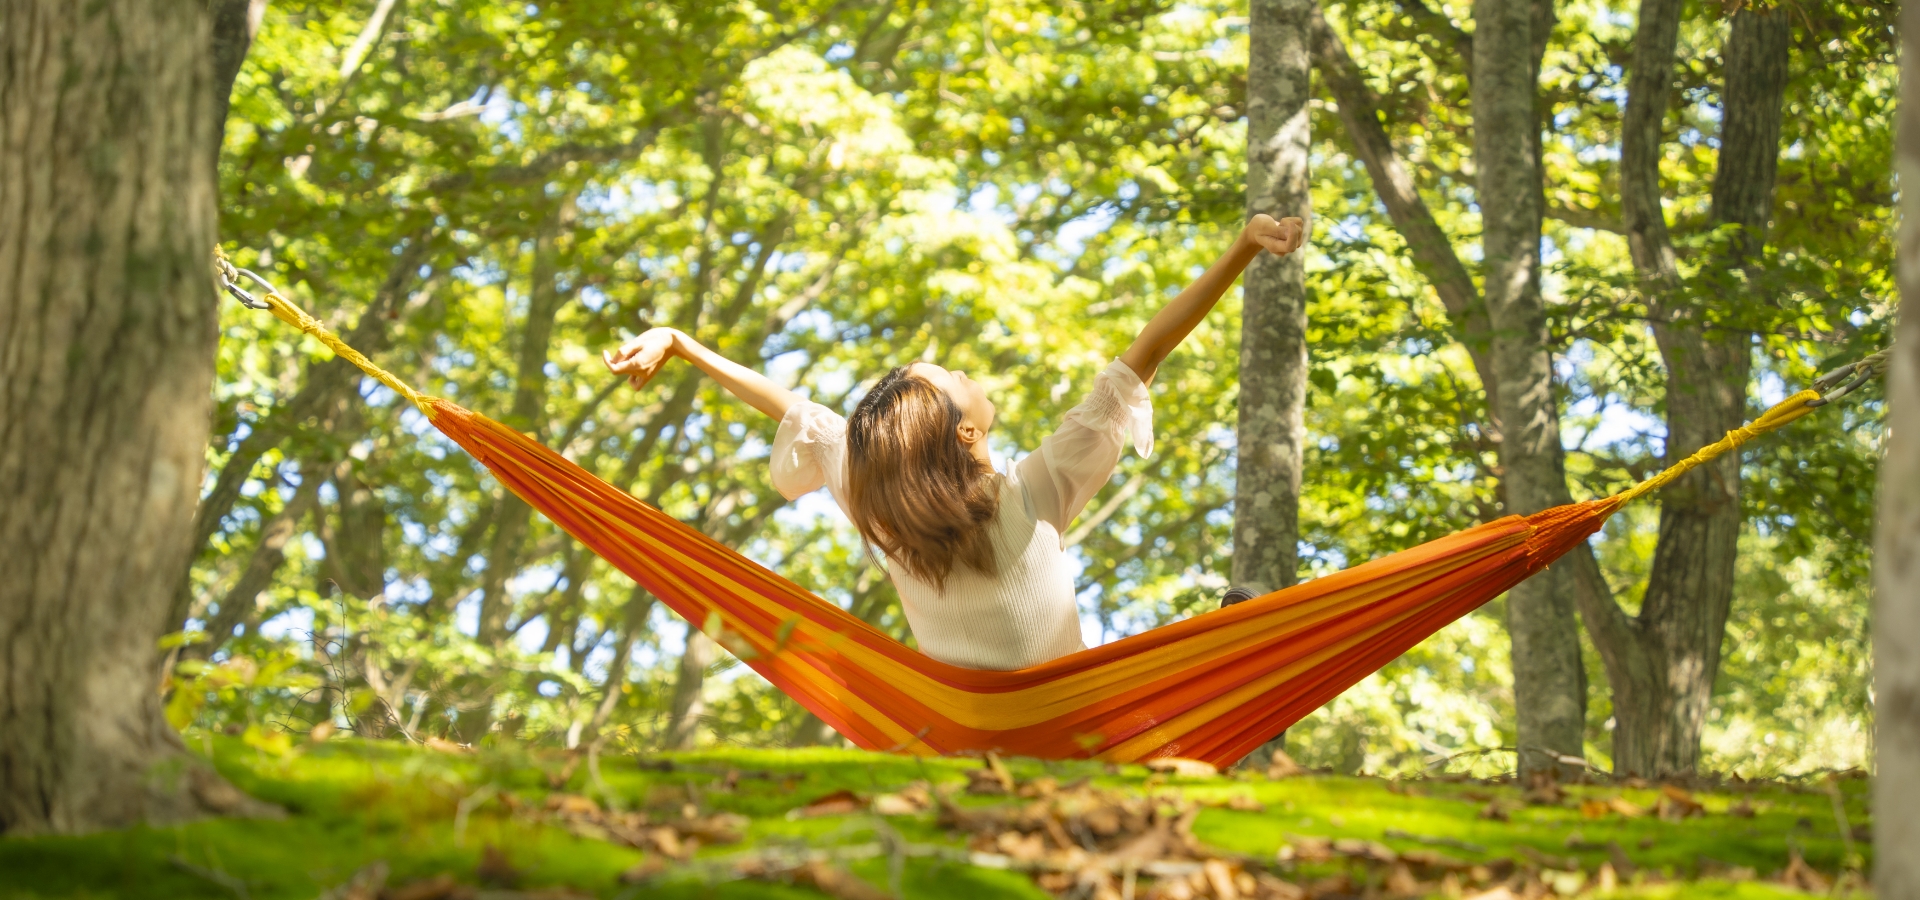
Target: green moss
{"type": "Point", "coordinates": [354, 802]}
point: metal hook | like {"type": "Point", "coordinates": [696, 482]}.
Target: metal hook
{"type": "Point", "coordinates": [229, 281]}
{"type": "Point", "coordinates": [1862, 371]}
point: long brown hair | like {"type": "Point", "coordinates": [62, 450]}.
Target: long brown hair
{"type": "Point", "coordinates": [913, 489]}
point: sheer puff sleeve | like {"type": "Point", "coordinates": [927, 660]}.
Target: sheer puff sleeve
{"type": "Point", "coordinates": [1075, 461]}
{"type": "Point", "coordinates": [809, 451]}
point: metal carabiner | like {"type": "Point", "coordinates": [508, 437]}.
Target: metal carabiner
{"type": "Point", "coordinates": [1862, 371]}
{"type": "Point", "coordinates": [230, 282]}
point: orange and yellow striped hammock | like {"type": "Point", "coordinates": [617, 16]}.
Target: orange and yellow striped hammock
{"type": "Point", "coordinates": [1212, 687]}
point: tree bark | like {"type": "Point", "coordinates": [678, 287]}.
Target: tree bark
{"type": "Point", "coordinates": [107, 330]}
{"type": "Point", "coordinates": [1549, 681]}
{"type": "Point", "coordinates": [1662, 662]}
{"type": "Point", "coordinates": [1273, 340]}
{"type": "Point", "coordinates": [1272, 428]}
{"type": "Point", "coordinates": [1896, 606]}
{"type": "Point", "coordinates": [235, 22]}
{"type": "Point", "coordinates": [689, 705]}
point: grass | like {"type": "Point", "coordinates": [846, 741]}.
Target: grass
{"type": "Point", "coordinates": [353, 802]}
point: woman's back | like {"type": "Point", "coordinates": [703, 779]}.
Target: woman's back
{"type": "Point", "coordinates": [1023, 614]}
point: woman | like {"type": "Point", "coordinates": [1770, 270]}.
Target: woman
{"type": "Point", "coordinates": [975, 554]}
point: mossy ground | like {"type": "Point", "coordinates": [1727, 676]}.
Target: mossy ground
{"type": "Point", "coordinates": [354, 802]}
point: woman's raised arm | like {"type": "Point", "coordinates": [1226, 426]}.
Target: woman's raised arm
{"type": "Point", "coordinates": [642, 358]}
{"type": "Point", "coordinates": [1174, 322]}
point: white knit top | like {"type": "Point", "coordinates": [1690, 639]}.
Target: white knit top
{"type": "Point", "coordinates": [1026, 615]}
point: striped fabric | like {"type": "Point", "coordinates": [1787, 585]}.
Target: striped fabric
{"type": "Point", "coordinates": [1212, 687]}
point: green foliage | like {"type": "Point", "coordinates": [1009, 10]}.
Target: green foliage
{"type": "Point", "coordinates": [828, 190]}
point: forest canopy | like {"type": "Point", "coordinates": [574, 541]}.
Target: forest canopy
{"type": "Point", "coordinates": [483, 196]}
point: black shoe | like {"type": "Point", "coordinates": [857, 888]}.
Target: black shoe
{"type": "Point", "coordinates": [1236, 595]}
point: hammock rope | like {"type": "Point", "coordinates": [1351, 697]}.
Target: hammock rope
{"type": "Point", "coordinates": [1212, 687]}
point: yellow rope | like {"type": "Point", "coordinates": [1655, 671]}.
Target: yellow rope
{"type": "Point", "coordinates": [293, 315]}
{"type": "Point", "coordinates": [284, 310]}
{"type": "Point", "coordinates": [1782, 413]}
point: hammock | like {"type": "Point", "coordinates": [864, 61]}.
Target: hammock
{"type": "Point", "coordinates": [1212, 687]}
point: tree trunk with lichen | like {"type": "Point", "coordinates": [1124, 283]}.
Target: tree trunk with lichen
{"type": "Point", "coordinates": [107, 331]}
{"type": "Point", "coordinates": [1550, 687]}
{"type": "Point", "coordinates": [1273, 328]}
{"type": "Point", "coordinates": [1662, 661]}
{"type": "Point", "coordinates": [1896, 563]}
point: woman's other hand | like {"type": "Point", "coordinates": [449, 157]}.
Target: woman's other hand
{"type": "Point", "coordinates": [1277, 237]}
{"type": "Point", "coordinates": [641, 358]}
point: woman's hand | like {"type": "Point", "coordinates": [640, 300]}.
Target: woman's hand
{"type": "Point", "coordinates": [1277, 237]}
{"type": "Point", "coordinates": [641, 358]}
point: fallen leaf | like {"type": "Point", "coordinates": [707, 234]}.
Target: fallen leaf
{"type": "Point", "coordinates": [1400, 881]}
{"type": "Point", "coordinates": [1626, 807]}
{"type": "Point", "coordinates": [1245, 803]}
{"type": "Point", "coordinates": [985, 782]}
{"type": "Point", "coordinates": [1183, 768]}
{"type": "Point", "coordinates": [1676, 804]}
{"type": "Point", "coordinates": [1041, 787]}
{"type": "Point", "coordinates": [1220, 879]}
{"type": "Point", "coordinates": [838, 803]}
{"type": "Point", "coordinates": [572, 805]}
{"type": "Point", "coordinates": [895, 805]}
{"type": "Point", "coordinates": [1594, 809]}
{"type": "Point", "coordinates": [668, 843]}
{"type": "Point", "coordinates": [719, 828]}
{"type": "Point", "coordinates": [1800, 875]}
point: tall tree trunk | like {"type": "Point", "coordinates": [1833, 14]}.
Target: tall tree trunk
{"type": "Point", "coordinates": [1273, 340]}
{"type": "Point", "coordinates": [1662, 662]}
{"type": "Point", "coordinates": [1273, 327]}
{"type": "Point", "coordinates": [1896, 563]}
{"type": "Point", "coordinates": [1549, 682]}
{"type": "Point", "coordinates": [107, 314]}
{"type": "Point", "coordinates": [689, 705]}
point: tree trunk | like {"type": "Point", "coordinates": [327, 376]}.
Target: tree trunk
{"type": "Point", "coordinates": [689, 704]}
{"type": "Point", "coordinates": [1662, 662]}
{"type": "Point", "coordinates": [1272, 427]}
{"type": "Point", "coordinates": [1896, 606]}
{"type": "Point", "coordinates": [107, 314]}
{"type": "Point", "coordinates": [1273, 340]}
{"type": "Point", "coordinates": [235, 22]}
{"type": "Point", "coordinates": [1549, 682]}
